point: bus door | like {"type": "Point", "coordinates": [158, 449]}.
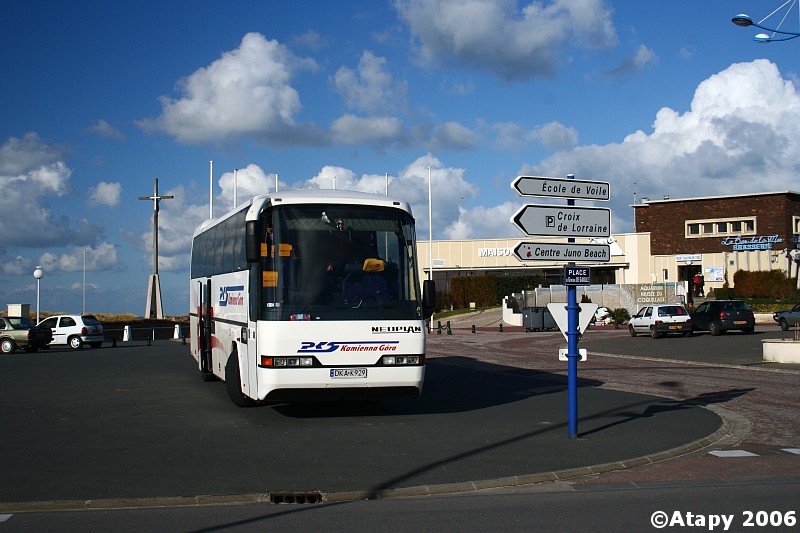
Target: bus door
{"type": "Point", "coordinates": [205, 326]}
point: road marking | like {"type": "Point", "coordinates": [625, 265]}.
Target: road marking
{"type": "Point", "coordinates": [733, 453]}
{"type": "Point", "coordinates": [791, 450]}
{"type": "Point", "coordinates": [4, 517]}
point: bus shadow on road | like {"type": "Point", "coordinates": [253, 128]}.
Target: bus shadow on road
{"type": "Point", "coordinates": [452, 385]}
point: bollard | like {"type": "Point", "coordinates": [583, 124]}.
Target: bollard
{"type": "Point", "coordinates": [148, 341]}
{"type": "Point", "coordinates": [449, 331]}
{"type": "Point", "coordinates": [177, 333]}
{"type": "Point", "coordinates": [126, 334]}
{"type": "Point", "coordinates": [113, 341]}
{"type": "Point", "coordinates": [439, 329]}
{"type": "Point", "coordinates": [183, 339]}
{"type": "Point", "coordinates": [473, 328]}
{"type": "Point", "coordinates": [501, 328]}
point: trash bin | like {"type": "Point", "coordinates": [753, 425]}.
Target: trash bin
{"type": "Point", "coordinates": [548, 321]}
{"type": "Point", "coordinates": [533, 318]}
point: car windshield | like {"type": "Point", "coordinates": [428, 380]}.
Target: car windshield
{"type": "Point", "coordinates": [90, 320]}
{"type": "Point", "coordinates": [672, 310]}
{"type": "Point", "coordinates": [20, 323]}
{"type": "Point", "coordinates": [736, 306]}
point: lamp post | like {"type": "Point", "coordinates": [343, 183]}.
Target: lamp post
{"type": "Point", "coordinates": [38, 275]}
{"type": "Point", "coordinates": [744, 21]}
{"type": "Point", "coordinates": [430, 236]}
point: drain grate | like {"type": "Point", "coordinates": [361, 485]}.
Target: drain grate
{"type": "Point", "coordinates": [295, 497]}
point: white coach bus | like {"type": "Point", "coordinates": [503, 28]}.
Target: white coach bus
{"type": "Point", "coordinates": [310, 294]}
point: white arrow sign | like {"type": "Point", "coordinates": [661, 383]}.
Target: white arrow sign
{"type": "Point", "coordinates": [561, 188]}
{"type": "Point", "coordinates": [559, 313]}
{"type": "Point", "coordinates": [557, 221]}
{"type": "Point", "coordinates": [562, 251]}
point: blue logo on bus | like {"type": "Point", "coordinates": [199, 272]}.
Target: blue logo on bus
{"type": "Point", "coordinates": [347, 346]}
{"type": "Point", "coordinates": [231, 295]}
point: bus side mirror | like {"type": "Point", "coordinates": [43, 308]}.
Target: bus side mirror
{"type": "Point", "coordinates": [252, 243]}
{"type": "Point", "coordinates": [428, 297]}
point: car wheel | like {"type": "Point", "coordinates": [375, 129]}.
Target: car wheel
{"type": "Point", "coordinates": [75, 343]}
{"type": "Point", "coordinates": [7, 346]}
{"type": "Point", "coordinates": [715, 328]}
{"type": "Point", "coordinates": [653, 333]}
{"type": "Point", "coordinates": [633, 331]}
{"type": "Point", "coordinates": [784, 324]}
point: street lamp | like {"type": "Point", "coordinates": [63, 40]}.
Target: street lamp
{"type": "Point", "coordinates": [744, 21]}
{"type": "Point", "coordinates": [38, 275]}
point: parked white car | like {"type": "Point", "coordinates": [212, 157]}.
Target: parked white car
{"type": "Point", "coordinates": [75, 330]}
{"type": "Point", "coordinates": [659, 320]}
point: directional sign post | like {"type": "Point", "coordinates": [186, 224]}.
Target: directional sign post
{"type": "Point", "coordinates": [570, 221]}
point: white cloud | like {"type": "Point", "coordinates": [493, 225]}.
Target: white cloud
{"type": "Point", "coordinates": [31, 172]}
{"type": "Point", "coordinates": [496, 36]}
{"type": "Point", "coordinates": [643, 58]}
{"type": "Point", "coordinates": [371, 88]}
{"type": "Point", "coordinates": [453, 136]}
{"type": "Point", "coordinates": [350, 129]}
{"type": "Point", "coordinates": [484, 222]}
{"type": "Point", "coordinates": [556, 136]}
{"type": "Point", "coordinates": [246, 92]}
{"type": "Point", "coordinates": [104, 193]}
{"type": "Point", "coordinates": [18, 266]}
{"type": "Point", "coordinates": [100, 257]}
{"type": "Point", "coordinates": [250, 181]}
{"type": "Point", "coordinates": [102, 128]}
{"type": "Point", "coordinates": [741, 134]}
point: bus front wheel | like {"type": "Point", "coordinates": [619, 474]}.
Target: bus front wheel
{"type": "Point", "coordinates": [233, 383]}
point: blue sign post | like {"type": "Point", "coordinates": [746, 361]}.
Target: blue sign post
{"type": "Point", "coordinates": [573, 355]}
{"type": "Point", "coordinates": [552, 221]}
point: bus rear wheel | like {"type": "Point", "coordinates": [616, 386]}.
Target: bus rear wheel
{"type": "Point", "coordinates": [233, 383]}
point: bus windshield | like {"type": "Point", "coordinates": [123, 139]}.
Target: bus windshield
{"type": "Point", "coordinates": [337, 262]}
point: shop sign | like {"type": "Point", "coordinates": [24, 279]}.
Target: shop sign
{"type": "Point", "coordinates": [494, 252]}
{"type": "Point", "coordinates": [751, 243]}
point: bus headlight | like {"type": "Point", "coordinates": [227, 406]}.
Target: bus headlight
{"type": "Point", "coordinates": [286, 362]}
{"type": "Point", "coordinates": [397, 360]}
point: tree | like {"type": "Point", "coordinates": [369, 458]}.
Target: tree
{"type": "Point", "coordinates": [618, 316]}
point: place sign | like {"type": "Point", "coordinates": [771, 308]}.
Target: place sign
{"type": "Point", "coordinates": [563, 251]}
{"type": "Point", "coordinates": [576, 275]}
{"type": "Point", "coordinates": [562, 188]}
{"type": "Point", "coordinates": [560, 221]}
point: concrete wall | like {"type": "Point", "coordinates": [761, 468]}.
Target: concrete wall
{"type": "Point", "coordinates": [630, 296]}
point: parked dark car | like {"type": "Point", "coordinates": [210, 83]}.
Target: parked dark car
{"type": "Point", "coordinates": [19, 332]}
{"type": "Point", "coordinates": [718, 316]}
{"type": "Point", "coordinates": [788, 318]}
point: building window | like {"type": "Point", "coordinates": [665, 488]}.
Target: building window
{"type": "Point", "coordinates": [795, 225]}
{"type": "Point", "coordinates": [725, 226]}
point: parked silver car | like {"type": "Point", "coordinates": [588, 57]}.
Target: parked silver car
{"type": "Point", "coordinates": [75, 330]}
{"type": "Point", "coordinates": [788, 318]}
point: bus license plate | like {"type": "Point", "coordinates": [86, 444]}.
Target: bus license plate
{"type": "Point", "coordinates": [348, 373]}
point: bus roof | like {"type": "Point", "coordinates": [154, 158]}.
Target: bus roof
{"type": "Point", "coordinates": [308, 196]}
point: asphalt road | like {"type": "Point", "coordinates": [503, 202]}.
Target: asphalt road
{"type": "Point", "coordinates": [135, 423]}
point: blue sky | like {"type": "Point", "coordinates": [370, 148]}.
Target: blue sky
{"type": "Point", "coordinates": [100, 98]}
